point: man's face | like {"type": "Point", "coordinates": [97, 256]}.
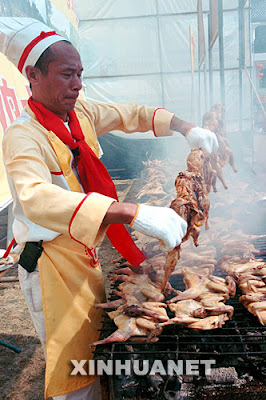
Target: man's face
{"type": "Point", "coordinates": [59, 89]}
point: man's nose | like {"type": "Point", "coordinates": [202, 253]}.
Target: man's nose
{"type": "Point", "coordinates": [77, 83]}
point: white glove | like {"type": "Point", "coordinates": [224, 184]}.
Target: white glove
{"type": "Point", "coordinates": [199, 137]}
{"type": "Point", "coordinates": [162, 223]}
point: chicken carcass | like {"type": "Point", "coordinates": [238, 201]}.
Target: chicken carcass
{"type": "Point", "coordinates": [259, 310]}
{"type": "Point", "coordinates": [140, 285]}
{"type": "Point", "coordinates": [170, 264]}
{"type": "Point", "coordinates": [127, 327]}
{"type": "Point", "coordinates": [192, 205]}
{"type": "Point", "coordinates": [156, 188]}
{"type": "Point", "coordinates": [251, 280]}
{"type": "Point", "coordinates": [219, 111]}
{"type": "Point", "coordinates": [193, 314]}
{"type": "Point", "coordinates": [200, 162]}
{"type": "Point", "coordinates": [238, 248]}
{"type": "Point", "coordinates": [237, 266]}
{"type": "Point", "coordinates": [211, 120]}
{"type": "Point", "coordinates": [225, 153]}
{"type": "Point", "coordinates": [151, 188]}
{"type": "Point", "coordinates": [139, 309]}
{"type": "Point", "coordinates": [202, 304]}
{"type": "Point", "coordinates": [199, 286]}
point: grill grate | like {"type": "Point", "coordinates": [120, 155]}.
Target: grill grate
{"type": "Point", "coordinates": [240, 343]}
{"type": "Point", "coordinates": [242, 335]}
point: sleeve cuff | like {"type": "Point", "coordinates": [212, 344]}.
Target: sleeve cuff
{"type": "Point", "coordinates": [86, 223]}
{"type": "Point", "coordinates": [161, 122]}
{"type": "Point", "coordinates": [189, 131]}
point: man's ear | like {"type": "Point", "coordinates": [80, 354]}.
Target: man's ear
{"type": "Point", "coordinates": [32, 74]}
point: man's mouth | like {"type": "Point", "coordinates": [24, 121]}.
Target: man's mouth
{"type": "Point", "coordinates": [72, 98]}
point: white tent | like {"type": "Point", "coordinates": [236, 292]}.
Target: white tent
{"type": "Point", "coordinates": [139, 51]}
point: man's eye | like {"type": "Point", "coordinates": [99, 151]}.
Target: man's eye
{"type": "Point", "coordinates": [66, 74]}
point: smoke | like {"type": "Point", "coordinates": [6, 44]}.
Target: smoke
{"type": "Point", "coordinates": [243, 205]}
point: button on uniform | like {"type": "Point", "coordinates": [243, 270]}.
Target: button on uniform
{"type": "Point", "coordinates": [68, 172]}
{"type": "Point", "coordinates": [52, 137]}
{"type": "Point", "coordinates": [96, 146]}
{"type": "Point", "coordinates": [81, 115]}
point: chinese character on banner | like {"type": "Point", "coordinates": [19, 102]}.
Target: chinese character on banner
{"type": "Point", "coordinates": [71, 5]}
{"type": "Point", "coordinates": [8, 105]}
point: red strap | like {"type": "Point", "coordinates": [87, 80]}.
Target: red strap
{"type": "Point", "coordinates": [9, 248]}
{"type": "Point", "coordinates": [93, 174]}
{"type": "Point", "coordinates": [122, 241]}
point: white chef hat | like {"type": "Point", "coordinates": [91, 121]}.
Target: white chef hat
{"type": "Point", "coordinates": [23, 40]}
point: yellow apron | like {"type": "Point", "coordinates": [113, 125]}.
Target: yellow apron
{"type": "Point", "coordinates": [71, 285]}
{"type": "Point", "coordinates": [70, 288]}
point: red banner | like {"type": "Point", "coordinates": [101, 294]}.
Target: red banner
{"type": "Point", "coordinates": [14, 92]}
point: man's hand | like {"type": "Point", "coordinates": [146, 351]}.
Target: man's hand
{"type": "Point", "coordinates": [162, 223]}
{"type": "Point", "coordinates": [202, 138]}
{"type": "Point", "coordinates": [196, 137]}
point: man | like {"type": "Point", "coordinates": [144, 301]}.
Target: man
{"type": "Point", "coordinates": [65, 201]}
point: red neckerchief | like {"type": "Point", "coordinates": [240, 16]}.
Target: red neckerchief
{"type": "Point", "coordinates": [93, 174]}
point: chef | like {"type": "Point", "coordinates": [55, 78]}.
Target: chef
{"type": "Point", "coordinates": [64, 200]}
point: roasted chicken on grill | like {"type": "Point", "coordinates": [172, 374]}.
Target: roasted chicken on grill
{"type": "Point", "coordinates": [127, 328]}
{"type": "Point", "coordinates": [250, 275]}
{"type": "Point", "coordinates": [157, 185]}
{"type": "Point", "coordinates": [139, 308]}
{"type": "Point", "coordinates": [194, 316]}
{"type": "Point", "coordinates": [199, 286]}
{"type": "Point", "coordinates": [201, 305]}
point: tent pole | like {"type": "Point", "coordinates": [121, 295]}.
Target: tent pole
{"type": "Point", "coordinates": [199, 96]}
{"type": "Point", "coordinates": [221, 49]}
{"type": "Point", "coordinates": [160, 54]}
{"type": "Point", "coordinates": [205, 87]}
{"type": "Point", "coordinates": [210, 58]}
{"type": "Point", "coordinates": [241, 59]}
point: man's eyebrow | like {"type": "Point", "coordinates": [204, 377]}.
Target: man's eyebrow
{"type": "Point", "coordinates": [71, 69]}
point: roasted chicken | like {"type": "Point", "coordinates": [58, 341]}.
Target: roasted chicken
{"type": "Point", "coordinates": [202, 304]}
{"type": "Point", "coordinates": [139, 309]}
{"type": "Point", "coordinates": [192, 205]}
{"type": "Point", "coordinates": [200, 162]}
{"type": "Point", "coordinates": [213, 120]}
{"type": "Point", "coordinates": [250, 275]}
{"type": "Point", "coordinates": [194, 316]}
{"type": "Point", "coordinates": [191, 202]}
{"type": "Point", "coordinates": [127, 328]}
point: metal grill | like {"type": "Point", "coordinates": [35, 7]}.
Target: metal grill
{"type": "Point", "coordinates": [240, 343]}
